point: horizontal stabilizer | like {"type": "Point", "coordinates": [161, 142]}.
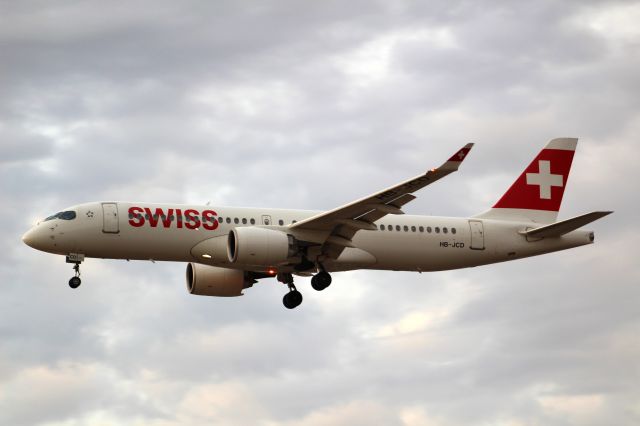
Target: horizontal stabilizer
{"type": "Point", "coordinates": [565, 226]}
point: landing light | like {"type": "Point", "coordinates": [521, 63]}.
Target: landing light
{"type": "Point", "coordinates": [272, 271]}
{"type": "Point", "coordinates": [206, 256]}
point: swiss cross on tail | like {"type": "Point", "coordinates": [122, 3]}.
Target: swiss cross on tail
{"type": "Point", "coordinates": [459, 156]}
{"type": "Point", "coordinates": [544, 179]}
{"type": "Point", "coordinates": [542, 184]}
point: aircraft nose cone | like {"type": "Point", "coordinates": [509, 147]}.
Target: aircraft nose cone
{"type": "Point", "coordinates": [29, 238]}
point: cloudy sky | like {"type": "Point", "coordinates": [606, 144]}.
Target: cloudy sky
{"type": "Point", "coordinates": [311, 105]}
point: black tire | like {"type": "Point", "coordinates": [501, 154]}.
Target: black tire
{"type": "Point", "coordinates": [75, 282]}
{"type": "Point", "coordinates": [292, 299]}
{"type": "Point", "coordinates": [315, 284]}
{"type": "Point", "coordinates": [321, 280]}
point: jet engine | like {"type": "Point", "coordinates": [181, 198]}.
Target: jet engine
{"type": "Point", "coordinates": [205, 280]}
{"type": "Point", "coordinates": [259, 246]}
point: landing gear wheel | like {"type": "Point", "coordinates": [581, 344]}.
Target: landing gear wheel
{"type": "Point", "coordinates": [321, 280]}
{"type": "Point", "coordinates": [75, 282]}
{"type": "Point", "coordinates": [292, 299]}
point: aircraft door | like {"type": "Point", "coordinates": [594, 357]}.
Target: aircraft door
{"type": "Point", "coordinates": [110, 218]}
{"type": "Point", "coordinates": [477, 235]}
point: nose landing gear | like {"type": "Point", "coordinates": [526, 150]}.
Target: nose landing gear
{"type": "Point", "coordinates": [76, 259]}
{"type": "Point", "coordinates": [75, 281]}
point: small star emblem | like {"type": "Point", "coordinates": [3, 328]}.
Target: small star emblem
{"type": "Point", "coordinates": [89, 214]}
{"type": "Point", "coordinates": [461, 155]}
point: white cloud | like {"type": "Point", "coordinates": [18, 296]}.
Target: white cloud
{"type": "Point", "coordinates": [617, 22]}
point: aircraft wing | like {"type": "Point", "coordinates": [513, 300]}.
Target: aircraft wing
{"type": "Point", "coordinates": [343, 222]}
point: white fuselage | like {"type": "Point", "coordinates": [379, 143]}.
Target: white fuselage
{"type": "Point", "coordinates": [401, 242]}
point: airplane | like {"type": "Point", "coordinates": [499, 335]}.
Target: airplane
{"type": "Point", "coordinates": [228, 249]}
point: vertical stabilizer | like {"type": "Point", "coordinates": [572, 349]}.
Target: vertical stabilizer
{"type": "Point", "coordinates": [537, 194]}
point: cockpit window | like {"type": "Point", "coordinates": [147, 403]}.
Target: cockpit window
{"type": "Point", "coordinates": [66, 215]}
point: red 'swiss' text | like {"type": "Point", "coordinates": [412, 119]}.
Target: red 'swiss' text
{"type": "Point", "coordinates": [189, 219]}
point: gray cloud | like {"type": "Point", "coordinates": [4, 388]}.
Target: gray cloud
{"type": "Point", "coordinates": [285, 104]}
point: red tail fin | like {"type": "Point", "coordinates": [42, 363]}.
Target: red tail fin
{"type": "Point", "coordinates": [537, 194]}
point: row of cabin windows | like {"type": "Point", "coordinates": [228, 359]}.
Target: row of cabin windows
{"type": "Point", "coordinates": [428, 229]}
{"type": "Point", "coordinates": [252, 221]}
{"type": "Point", "coordinates": [237, 221]}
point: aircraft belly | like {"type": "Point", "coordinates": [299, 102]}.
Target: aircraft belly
{"type": "Point", "coordinates": [143, 244]}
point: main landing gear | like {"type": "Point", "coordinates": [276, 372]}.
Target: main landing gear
{"type": "Point", "coordinates": [321, 280]}
{"type": "Point", "coordinates": [293, 298]}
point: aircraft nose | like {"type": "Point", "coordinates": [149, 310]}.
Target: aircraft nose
{"type": "Point", "coordinates": [29, 238]}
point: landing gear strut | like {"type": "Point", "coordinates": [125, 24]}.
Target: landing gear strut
{"type": "Point", "coordinates": [75, 281]}
{"type": "Point", "coordinates": [76, 259]}
{"type": "Point", "coordinates": [293, 298]}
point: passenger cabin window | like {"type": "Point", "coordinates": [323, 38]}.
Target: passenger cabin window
{"type": "Point", "coordinates": [397, 227]}
{"type": "Point", "coordinates": [413, 229]}
{"type": "Point", "coordinates": [429, 229]}
{"type": "Point", "coordinates": [445, 230]}
{"type": "Point", "coordinates": [382, 227]}
{"type": "Point", "coordinates": [281, 222]}
{"type": "Point", "coordinates": [253, 221]}
{"type": "Point", "coordinates": [453, 230]}
{"type": "Point", "coordinates": [421, 229]}
{"type": "Point", "coordinates": [228, 220]}
{"type": "Point", "coordinates": [244, 220]}
{"type": "Point", "coordinates": [437, 230]}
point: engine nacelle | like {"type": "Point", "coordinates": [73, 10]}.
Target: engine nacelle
{"type": "Point", "coordinates": [259, 246]}
{"type": "Point", "coordinates": [205, 280]}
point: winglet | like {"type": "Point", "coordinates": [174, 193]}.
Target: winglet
{"type": "Point", "coordinates": [456, 159]}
